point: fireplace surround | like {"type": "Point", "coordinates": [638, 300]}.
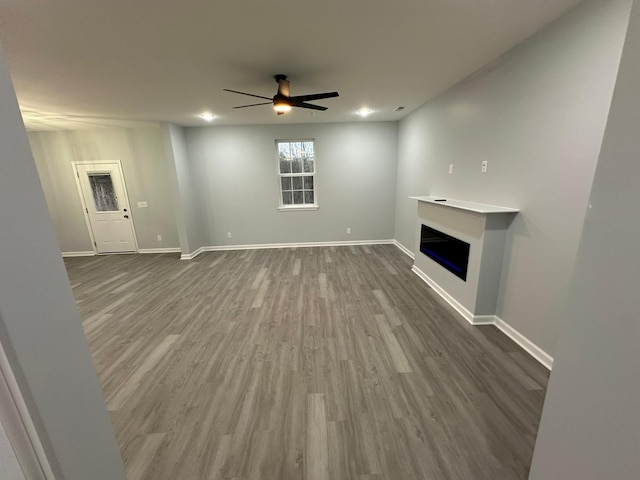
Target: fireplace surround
{"type": "Point", "coordinates": [448, 224]}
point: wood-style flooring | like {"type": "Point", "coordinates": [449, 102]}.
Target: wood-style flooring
{"type": "Point", "coordinates": [301, 364]}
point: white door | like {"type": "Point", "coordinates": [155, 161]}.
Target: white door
{"type": "Point", "coordinates": [105, 199]}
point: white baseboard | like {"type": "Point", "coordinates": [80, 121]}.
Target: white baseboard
{"type": "Point", "coordinates": [88, 253]}
{"type": "Point", "coordinates": [404, 249]}
{"type": "Point", "coordinates": [484, 320]}
{"type": "Point", "coordinates": [192, 255]}
{"type": "Point", "coordinates": [466, 314]}
{"type": "Point", "coordinates": [262, 246]}
{"type": "Point", "coordinates": [531, 348]}
{"type": "Point", "coordinates": [297, 245]}
{"type": "Point", "coordinates": [535, 351]}
{"type": "Point", "coordinates": [159, 250]}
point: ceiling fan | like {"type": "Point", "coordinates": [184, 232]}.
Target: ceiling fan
{"type": "Point", "coordinates": [282, 101]}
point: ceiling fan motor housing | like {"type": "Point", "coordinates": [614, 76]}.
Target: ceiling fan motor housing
{"type": "Point", "coordinates": [283, 101]}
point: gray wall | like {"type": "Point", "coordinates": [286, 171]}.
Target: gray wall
{"type": "Point", "coordinates": [236, 171]}
{"type": "Point", "coordinates": [189, 209]}
{"type": "Point", "coordinates": [590, 428]}
{"type": "Point", "coordinates": [9, 466]}
{"type": "Point", "coordinates": [537, 115]}
{"type": "Point", "coordinates": [141, 151]}
{"type": "Point", "coordinates": [40, 328]}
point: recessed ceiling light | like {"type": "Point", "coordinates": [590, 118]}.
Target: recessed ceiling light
{"type": "Point", "coordinates": [363, 112]}
{"type": "Point", "coordinates": [207, 116]}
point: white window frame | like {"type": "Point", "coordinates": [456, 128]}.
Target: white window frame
{"type": "Point", "coordinates": [297, 207]}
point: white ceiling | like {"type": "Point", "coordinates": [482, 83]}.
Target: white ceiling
{"type": "Point", "coordinates": [84, 63]}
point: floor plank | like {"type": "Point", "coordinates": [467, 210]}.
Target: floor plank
{"type": "Point", "coordinates": [301, 364]}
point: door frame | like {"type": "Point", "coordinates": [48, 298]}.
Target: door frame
{"type": "Point", "coordinates": [85, 210]}
{"type": "Point", "coordinates": [19, 426]}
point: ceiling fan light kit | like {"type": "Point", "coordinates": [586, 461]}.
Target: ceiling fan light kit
{"type": "Point", "coordinates": [282, 101]}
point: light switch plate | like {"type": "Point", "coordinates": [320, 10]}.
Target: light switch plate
{"type": "Point", "coordinates": [143, 204]}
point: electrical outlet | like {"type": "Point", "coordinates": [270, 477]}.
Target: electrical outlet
{"type": "Point", "coordinates": [228, 234]}
{"type": "Point", "coordinates": [159, 238]}
{"type": "Point", "coordinates": [483, 168]}
{"type": "Point", "coordinates": [450, 168]}
{"type": "Point", "coordinates": [348, 230]}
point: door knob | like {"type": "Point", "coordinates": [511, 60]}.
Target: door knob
{"type": "Point", "coordinates": [126, 216]}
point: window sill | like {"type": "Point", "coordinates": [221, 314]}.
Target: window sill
{"type": "Point", "coordinates": [300, 208]}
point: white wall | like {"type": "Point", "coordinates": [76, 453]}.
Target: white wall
{"type": "Point", "coordinates": [590, 427]}
{"type": "Point", "coordinates": [141, 151]}
{"type": "Point", "coordinates": [537, 115]}
{"type": "Point", "coordinates": [40, 328]}
{"type": "Point", "coordinates": [236, 177]}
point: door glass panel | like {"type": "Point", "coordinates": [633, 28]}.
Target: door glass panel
{"type": "Point", "coordinates": [104, 195]}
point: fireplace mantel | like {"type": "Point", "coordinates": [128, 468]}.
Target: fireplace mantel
{"type": "Point", "coordinates": [464, 205]}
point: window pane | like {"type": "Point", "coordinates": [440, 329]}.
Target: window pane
{"type": "Point", "coordinates": [308, 165]}
{"type": "Point", "coordinates": [286, 198]}
{"type": "Point", "coordinates": [285, 183]}
{"type": "Point", "coordinates": [296, 165]}
{"type": "Point", "coordinates": [308, 197]}
{"type": "Point", "coordinates": [284, 149]}
{"type": "Point", "coordinates": [297, 183]}
{"type": "Point", "coordinates": [307, 148]}
{"type": "Point", "coordinates": [308, 183]}
{"type": "Point", "coordinates": [104, 195]}
{"type": "Point", "coordinates": [285, 165]}
{"type": "Point", "coordinates": [298, 198]}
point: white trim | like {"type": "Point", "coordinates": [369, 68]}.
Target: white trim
{"type": "Point", "coordinates": [87, 253]}
{"type": "Point", "coordinates": [535, 351]}
{"type": "Point", "coordinates": [19, 426]}
{"type": "Point", "coordinates": [160, 250]}
{"type": "Point", "coordinates": [404, 249]}
{"type": "Point", "coordinates": [484, 320]}
{"type": "Point", "coordinates": [192, 255]}
{"type": "Point", "coordinates": [301, 208]}
{"type": "Point", "coordinates": [531, 348]}
{"type": "Point", "coordinates": [297, 245]}
{"type": "Point", "coordinates": [263, 246]}
{"type": "Point", "coordinates": [466, 314]}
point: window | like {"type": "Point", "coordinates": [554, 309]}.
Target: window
{"type": "Point", "coordinates": [297, 174]}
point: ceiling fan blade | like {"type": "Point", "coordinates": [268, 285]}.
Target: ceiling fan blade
{"type": "Point", "coordinates": [254, 105]}
{"type": "Point", "coordinates": [244, 93]}
{"type": "Point", "coordinates": [307, 105]}
{"type": "Point", "coordinates": [314, 96]}
{"type": "Point", "coordinates": [283, 85]}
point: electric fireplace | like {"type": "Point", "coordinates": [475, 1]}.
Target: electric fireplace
{"type": "Point", "coordinates": [448, 251]}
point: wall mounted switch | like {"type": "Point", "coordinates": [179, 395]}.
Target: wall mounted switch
{"type": "Point", "coordinates": [450, 168]}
